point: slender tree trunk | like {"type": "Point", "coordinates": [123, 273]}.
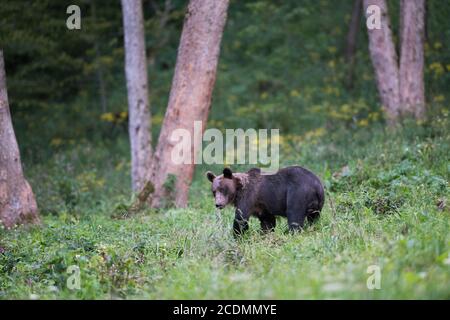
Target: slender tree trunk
{"type": "Point", "coordinates": [137, 87]}
{"type": "Point", "coordinates": [190, 96]}
{"type": "Point", "coordinates": [411, 80]}
{"type": "Point", "coordinates": [99, 68]}
{"type": "Point", "coordinates": [427, 38]}
{"type": "Point", "coordinates": [385, 62]}
{"type": "Point", "coordinates": [17, 203]}
{"type": "Point", "coordinates": [352, 37]}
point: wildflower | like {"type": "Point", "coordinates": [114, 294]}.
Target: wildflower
{"type": "Point", "coordinates": [363, 123]}
{"type": "Point", "coordinates": [374, 116]}
{"type": "Point", "coordinates": [437, 68]}
{"type": "Point", "coordinates": [157, 119]}
{"type": "Point", "coordinates": [332, 49]}
{"type": "Point", "coordinates": [108, 117]}
{"type": "Point", "coordinates": [439, 98]}
{"type": "Point", "coordinates": [437, 45]}
{"type": "Point", "coordinates": [56, 142]}
{"type": "Point", "coordinates": [295, 93]}
{"type": "Point", "coordinates": [123, 115]}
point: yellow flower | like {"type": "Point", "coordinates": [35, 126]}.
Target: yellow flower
{"type": "Point", "coordinates": [332, 49]}
{"type": "Point", "coordinates": [316, 133]}
{"type": "Point", "coordinates": [119, 166]}
{"type": "Point", "coordinates": [157, 119]}
{"type": "Point", "coordinates": [56, 142]}
{"type": "Point", "coordinates": [100, 182]}
{"type": "Point", "coordinates": [108, 117]}
{"type": "Point", "coordinates": [374, 116]}
{"type": "Point", "coordinates": [295, 93]}
{"type": "Point", "coordinates": [439, 98]}
{"type": "Point", "coordinates": [420, 122]}
{"type": "Point", "coordinates": [123, 114]}
{"type": "Point", "coordinates": [331, 90]}
{"type": "Point", "coordinates": [345, 108]}
{"type": "Point", "coordinates": [437, 68]}
{"type": "Point", "coordinates": [363, 123]}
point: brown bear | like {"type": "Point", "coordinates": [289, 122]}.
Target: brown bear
{"type": "Point", "coordinates": [292, 192]}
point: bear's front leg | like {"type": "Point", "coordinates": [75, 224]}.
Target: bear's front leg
{"type": "Point", "coordinates": [240, 224]}
{"type": "Point", "coordinates": [268, 223]}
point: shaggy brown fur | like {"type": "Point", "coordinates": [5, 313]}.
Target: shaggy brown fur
{"type": "Point", "coordinates": [292, 192]}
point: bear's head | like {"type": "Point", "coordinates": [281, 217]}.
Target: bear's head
{"type": "Point", "coordinates": [225, 187]}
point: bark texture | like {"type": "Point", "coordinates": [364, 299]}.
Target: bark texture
{"type": "Point", "coordinates": [190, 96]}
{"type": "Point", "coordinates": [17, 202]}
{"type": "Point", "coordinates": [137, 87]}
{"type": "Point", "coordinates": [385, 62]}
{"type": "Point", "coordinates": [412, 35]}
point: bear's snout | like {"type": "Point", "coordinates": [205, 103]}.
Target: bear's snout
{"type": "Point", "coordinates": [221, 201]}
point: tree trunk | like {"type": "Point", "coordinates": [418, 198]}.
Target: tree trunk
{"type": "Point", "coordinates": [385, 62]}
{"type": "Point", "coordinates": [17, 203]}
{"type": "Point", "coordinates": [99, 67]}
{"type": "Point", "coordinates": [190, 96]}
{"type": "Point", "coordinates": [137, 87]}
{"type": "Point", "coordinates": [352, 37]}
{"type": "Point", "coordinates": [411, 80]}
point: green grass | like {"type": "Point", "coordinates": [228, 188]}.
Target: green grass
{"type": "Point", "coordinates": [281, 66]}
{"type": "Point", "coordinates": [385, 214]}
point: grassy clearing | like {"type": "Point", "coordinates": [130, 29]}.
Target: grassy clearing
{"type": "Point", "coordinates": [386, 190]}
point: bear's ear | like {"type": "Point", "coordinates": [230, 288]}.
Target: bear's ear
{"type": "Point", "coordinates": [227, 173]}
{"type": "Point", "coordinates": [210, 176]}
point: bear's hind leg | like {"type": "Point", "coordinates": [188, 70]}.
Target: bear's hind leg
{"type": "Point", "coordinates": [296, 212]}
{"type": "Point", "coordinates": [296, 220]}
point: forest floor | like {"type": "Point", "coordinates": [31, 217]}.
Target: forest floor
{"type": "Point", "coordinates": [389, 212]}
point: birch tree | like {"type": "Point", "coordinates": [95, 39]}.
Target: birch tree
{"type": "Point", "coordinates": [190, 95]}
{"type": "Point", "coordinates": [400, 82]}
{"type": "Point", "coordinates": [384, 60]}
{"type": "Point", "coordinates": [17, 202]}
{"type": "Point", "coordinates": [139, 125]}
{"type": "Point", "coordinates": [412, 36]}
